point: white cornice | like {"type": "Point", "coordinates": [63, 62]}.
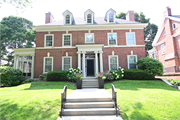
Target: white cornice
{"type": "Point", "coordinates": [86, 27]}
{"type": "Point", "coordinates": [176, 34]}
{"type": "Point", "coordinates": [124, 46]}
{"type": "Point", "coordinates": [161, 42]}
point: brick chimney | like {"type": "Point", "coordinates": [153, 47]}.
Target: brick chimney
{"type": "Point", "coordinates": [167, 12]}
{"type": "Point", "coordinates": [49, 18]}
{"type": "Point", "coordinates": [130, 16]}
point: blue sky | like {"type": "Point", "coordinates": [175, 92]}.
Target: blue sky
{"type": "Point", "coordinates": [153, 9]}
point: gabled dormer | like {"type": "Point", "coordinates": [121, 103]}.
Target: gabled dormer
{"type": "Point", "coordinates": [68, 17]}
{"type": "Point", "coordinates": [110, 16]}
{"type": "Point", "coordinates": [89, 16]}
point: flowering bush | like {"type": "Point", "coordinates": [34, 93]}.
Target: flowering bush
{"type": "Point", "coordinates": [111, 75]}
{"type": "Point", "coordinates": [79, 76]}
{"type": "Point", "coordinates": [71, 76]}
{"type": "Point", "coordinates": [101, 76]}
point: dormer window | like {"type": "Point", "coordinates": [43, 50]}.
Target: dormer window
{"type": "Point", "coordinates": [89, 18]}
{"type": "Point", "coordinates": [67, 19]}
{"type": "Point", "coordinates": [111, 18]}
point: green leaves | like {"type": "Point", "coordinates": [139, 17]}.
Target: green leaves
{"type": "Point", "coordinates": [151, 66]}
{"type": "Point", "coordinates": [16, 32]}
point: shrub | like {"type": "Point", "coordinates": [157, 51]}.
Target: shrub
{"type": "Point", "coordinates": [71, 76]}
{"type": "Point", "coordinates": [42, 77]}
{"type": "Point", "coordinates": [174, 82]}
{"type": "Point", "coordinates": [11, 76]}
{"type": "Point", "coordinates": [151, 66]}
{"type": "Point", "coordinates": [58, 75]}
{"type": "Point", "coordinates": [118, 74]}
{"type": "Point", "coordinates": [29, 80]}
{"type": "Point", "coordinates": [108, 76]}
{"type": "Point", "coordinates": [137, 74]}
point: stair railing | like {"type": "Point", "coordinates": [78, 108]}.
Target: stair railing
{"type": "Point", "coordinates": [114, 98]}
{"type": "Point", "coordinates": [63, 100]}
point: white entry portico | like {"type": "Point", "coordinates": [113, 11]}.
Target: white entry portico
{"type": "Point", "coordinates": [86, 49]}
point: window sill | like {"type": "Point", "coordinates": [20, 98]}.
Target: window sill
{"type": "Point", "coordinates": [174, 29]}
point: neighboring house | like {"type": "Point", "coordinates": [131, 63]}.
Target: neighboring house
{"type": "Point", "coordinates": [166, 45]}
{"type": "Point", "coordinates": [94, 44]}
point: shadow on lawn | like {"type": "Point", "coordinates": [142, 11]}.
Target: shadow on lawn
{"type": "Point", "coordinates": [31, 111]}
{"type": "Point", "coordinates": [136, 114]}
{"type": "Point", "coordinates": [50, 85]}
{"type": "Point", "coordinates": [138, 84]}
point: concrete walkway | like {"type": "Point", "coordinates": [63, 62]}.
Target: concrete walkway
{"type": "Point", "coordinates": [90, 95]}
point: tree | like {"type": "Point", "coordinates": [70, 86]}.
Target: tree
{"type": "Point", "coordinates": [149, 32]}
{"type": "Point", "coordinates": [19, 3]}
{"type": "Point", "coordinates": [16, 32]}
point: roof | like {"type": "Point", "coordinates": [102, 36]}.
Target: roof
{"type": "Point", "coordinates": [172, 17]}
{"type": "Point", "coordinates": [97, 20]}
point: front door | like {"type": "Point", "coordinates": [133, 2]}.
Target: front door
{"type": "Point", "coordinates": [90, 67]}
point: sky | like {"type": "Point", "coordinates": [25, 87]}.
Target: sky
{"type": "Point", "coordinates": [152, 9]}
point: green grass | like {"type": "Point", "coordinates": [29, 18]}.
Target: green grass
{"type": "Point", "coordinates": [33, 101]}
{"type": "Point", "coordinates": [146, 100]}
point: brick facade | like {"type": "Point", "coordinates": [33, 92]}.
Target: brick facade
{"type": "Point", "coordinates": [170, 38]}
{"type": "Point", "coordinates": [78, 37]}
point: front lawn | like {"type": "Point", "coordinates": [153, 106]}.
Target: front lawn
{"type": "Point", "coordinates": [146, 100]}
{"type": "Point", "coordinates": [33, 101]}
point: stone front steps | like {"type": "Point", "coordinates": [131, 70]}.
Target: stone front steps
{"type": "Point", "coordinates": [90, 83]}
{"type": "Point", "coordinates": [89, 104]}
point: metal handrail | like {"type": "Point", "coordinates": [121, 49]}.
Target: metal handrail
{"type": "Point", "coordinates": [63, 99]}
{"type": "Point", "coordinates": [114, 98]}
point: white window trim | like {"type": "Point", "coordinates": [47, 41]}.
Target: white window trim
{"type": "Point", "coordinates": [44, 64]}
{"type": "Point", "coordinates": [87, 34]}
{"type": "Point", "coordinates": [108, 39]}
{"type": "Point", "coordinates": [69, 18]}
{"type": "Point", "coordinates": [134, 38]}
{"type": "Point", "coordinates": [113, 17]}
{"type": "Point", "coordinates": [63, 40]}
{"type": "Point", "coordinates": [91, 18]}
{"type": "Point", "coordinates": [163, 52]}
{"type": "Point", "coordinates": [128, 60]}
{"type": "Point", "coordinates": [45, 40]}
{"type": "Point", "coordinates": [175, 25]}
{"type": "Point", "coordinates": [63, 61]}
{"type": "Point", "coordinates": [109, 56]}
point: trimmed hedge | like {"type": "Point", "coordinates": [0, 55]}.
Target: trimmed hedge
{"type": "Point", "coordinates": [11, 76]}
{"type": "Point", "coordinates": [137, 74]}
{"type": "Point", "coordinates": [58, 75]}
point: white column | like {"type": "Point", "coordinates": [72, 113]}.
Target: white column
{"type": "Point", "coordinates": [96, 61]}
{"type": "Point", "coordinates": [79, 59]}
{"type": "Point", "coordinates": [83, 63]}
{"type": "Point", "coordinates": [101, 62]}
{"type": "Point", "coordinates": [15, 61]}
{"type": "Point", "coordinates": [32, 66]}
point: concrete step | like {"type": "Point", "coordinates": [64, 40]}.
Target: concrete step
{"type": "Point", "coordinates": [89, 105]}
{"type": "Point", "coordinates": [89, 112]}
{"type": "Point", "coordinates": [104, 99]}
{"type": "Point", "coordinates": [90, 87]}
{"type": "Point", "coordinates": [104, 117]}
{"type": "Point", "coordinates": [89, 82]}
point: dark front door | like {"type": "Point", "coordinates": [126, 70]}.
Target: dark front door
{"type": "Point", "coordinates": [90, 67]}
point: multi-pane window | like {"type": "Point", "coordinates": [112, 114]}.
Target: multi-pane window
{"type": "Point", "coordinates": [89, 37]}
{"type": "Point", "coordinates": [132, 61]}
{"type": "Point", "coordinates": [112, 38]}
{"type": "Point", "coordinates": [113, 62]}
{"type": "Point", "coordinates": [48, 64]}
{"type": "Point", "coordinates": [67, 40]}
{"type": "Point", "coordinates": [66, 63]}
{"type": "Point", "coordinates": [111, 18]}
{"type": "Point", "coordinates": [130, 37]}
{"type": "Point", "coordinates": [162, 49]}
{"type": "Point", "coordinates": [67, 19]}
{"type": "Point", "coordinates": [89, 18]}
{"type": "Point", "coordinates": [49, 40]}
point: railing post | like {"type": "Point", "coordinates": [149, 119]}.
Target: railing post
{"type": "Point", "coordinates": [114, 99]}
{"type": "Point", "coordinates": [63, 99]}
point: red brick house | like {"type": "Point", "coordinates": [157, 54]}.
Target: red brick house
{"type": "Point", "coordinates": [94, 44]}
{"type": "Point", "coordinates": [166, 45]}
